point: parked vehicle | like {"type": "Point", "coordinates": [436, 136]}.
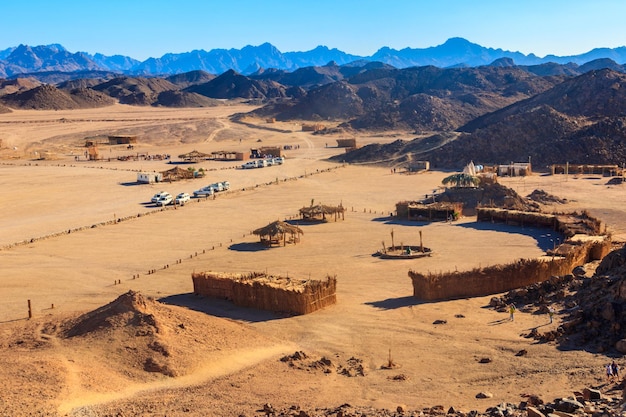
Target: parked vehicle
{"type": "Point", "coordinates": [260, 163]}
{"type": "Point", "coordinates": [217, 186]}
{"type": "Point", "coordinates": [158, 195]}
{"type": "Point", "coordinates": [204, 192]}
{"type": "Point", "coordinates": [164, 200]}
{"type": "Point", "coordinates": [249, 165]}
{"type": "Point", "coordinates": [226, 185]}
{"type": "Point", "coordinates": [279, 160]}
{"type": "Point", "coordinates": [182, 198]}
{"type": "Point", "coordinates": [269, 161]}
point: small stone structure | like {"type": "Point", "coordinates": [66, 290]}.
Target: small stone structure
{"type": "Point", "coordinates": [267, 292]}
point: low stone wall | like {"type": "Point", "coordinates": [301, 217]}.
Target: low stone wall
{"type": "Point", "coordinates": [257, 290]}
{"type": "Point", "coordinates": [501, 278]}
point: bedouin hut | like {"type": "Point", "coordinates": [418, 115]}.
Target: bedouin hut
{"type": "Point", "coordinates": [320, 211]}
{"type": "Point", "coordinates": [194, 156]}
{"type": "Point", "coordinates": [176, 174]}
{"type": "Point", "coordinates": [274, 232]}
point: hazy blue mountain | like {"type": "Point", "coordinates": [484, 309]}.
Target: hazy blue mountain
{"type": "Point", "coordinates": [119, 63]}
{"type": "Point", "coordinates": [320, 56]}
{"type": "Point", "coordinates": [24, 59]}
{"type": "Point", "coordinates": [5, 53]}
{"type": "Point", "coordinates": [454, 53]}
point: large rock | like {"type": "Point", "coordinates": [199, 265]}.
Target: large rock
{"type": "Point", "coordinates": [534, 412]}
{"type": "Point", "coordinates": [621, 346]}
{"type": "Point", "coordinates": [592, 394]}
{"type": "Point", "coordinates": [568, 405]}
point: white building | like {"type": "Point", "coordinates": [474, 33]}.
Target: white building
{"type": "Point", "coordinates": [149, 177]}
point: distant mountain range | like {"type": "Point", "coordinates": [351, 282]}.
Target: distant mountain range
{"type": "Point", "coordinates": [25, 60]}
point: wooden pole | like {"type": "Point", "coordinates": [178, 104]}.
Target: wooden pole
{"type": "Point", "coordinates": [421, 244]}
{"type": "Point", "coordinates": [392, 244]}
{"type": "Point", "coordinates": [30, 310]}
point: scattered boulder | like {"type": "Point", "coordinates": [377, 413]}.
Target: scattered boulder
{"type": "Point", "coordinates": [534, 412]}
{"type": "Point", "coordinates": [591, 394]}
{"type": "Point", "coordinates": [484, 394]}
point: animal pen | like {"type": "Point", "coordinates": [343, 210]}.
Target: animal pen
{"type": "Point", "coordinates": [267, 292]}
{"type": "Point", "coordinates": [583, 244]}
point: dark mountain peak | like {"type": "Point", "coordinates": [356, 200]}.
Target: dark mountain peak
{"type": "Point", "coordinates": [503, 62]}
{"type": "Point", "coordinates": [601, 63]}
{"type": "Point", "coordinates": [231, 73]}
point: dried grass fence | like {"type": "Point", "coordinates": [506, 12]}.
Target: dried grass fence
{"type": "Point", "coordinates": [567, 224]}
{"type": "Point", "coordinates": [258, 290]}
{"type": "Point", "coordinates": [501, 278]}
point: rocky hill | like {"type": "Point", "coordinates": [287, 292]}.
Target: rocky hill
{"type": "Point", "coordinates": [138, 91]}
{"type": "Point", "coordinates": [581, 120]}
{"type": "Point", "coordinates": [48, 97]}
{"type": "Point", "coordinates": [233, 85]}
{"type": "Point", "coordinates": [421, 98]}
{"type": "Point", "coordinates": [190, 78]}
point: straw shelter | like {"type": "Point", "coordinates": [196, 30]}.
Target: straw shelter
{"type": "Point", "coordinates": [274, 232]}
{"type": "Point", "coordinates": [320, 211]}
{"type": "Point", "coordinates": [194, 156]}
{"type": "Point", "coordinates": [176, 174]}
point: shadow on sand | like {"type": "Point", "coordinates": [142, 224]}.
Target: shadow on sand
{"type": "Point", "coordinates": [248, 247]}
{"type": "Point", "coordinates": [546, 239]}
{"type": "Point", "coordinates": [220, 308]}
{"type": "Point", "coordinates": [399, 222]}
{"type": "Point", "coordinates": [393, 303]}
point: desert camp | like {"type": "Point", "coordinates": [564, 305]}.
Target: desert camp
{"type": "Point", "coordinates": [113, 276]}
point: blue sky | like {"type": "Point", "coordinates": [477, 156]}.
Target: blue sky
{"type": "Point", "coordinates": [151, 28]}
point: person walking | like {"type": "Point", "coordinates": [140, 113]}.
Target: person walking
{"type": "Point", "coordinates": [615, 370]}
{"type": "Point", "coordinates": [511, 311]}
{"type": "Point", "coordinates": [551, 314]}
{"type": "Point", "coordinates": [609, 373]}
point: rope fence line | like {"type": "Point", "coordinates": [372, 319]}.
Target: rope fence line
{"type": "Point", "coordinates": [154, 211]}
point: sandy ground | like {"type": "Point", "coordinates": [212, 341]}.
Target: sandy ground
{"type": "Point", "coordinates": [64, 273]}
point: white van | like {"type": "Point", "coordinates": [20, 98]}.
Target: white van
{"type": "Point", "coordinates": [261, 163]}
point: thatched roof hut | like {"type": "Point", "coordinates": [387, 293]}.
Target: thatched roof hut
{"type": "Point", "coordinates": [177, 173]}
{"type": "Point", "coordinates": [195, 156]}
{"type": "Point", "coordinates": [320, 211]}
{"type": "Point", "coordinates": [274, 232]}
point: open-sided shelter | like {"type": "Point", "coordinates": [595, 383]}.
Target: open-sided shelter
{"type": "Point", "coordinates": [194, 156]}
{"type": "Point", "coordinates": [275, 232]}
{"type": "Point", "coordinates": [320, 211]}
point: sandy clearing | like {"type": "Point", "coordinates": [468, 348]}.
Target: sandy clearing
{"type": "Point", "coordinates": [375, 310]}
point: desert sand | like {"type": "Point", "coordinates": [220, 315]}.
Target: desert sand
{"type": "Point", "coordinates": [118, 241]}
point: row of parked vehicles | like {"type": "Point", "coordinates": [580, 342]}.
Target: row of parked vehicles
{"type": "Point", "coordinates": [265, 162]}
{"type": "Point", "coordinates": [163, 198]}
{"type": "Point", "coordinates": [211, 189]}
